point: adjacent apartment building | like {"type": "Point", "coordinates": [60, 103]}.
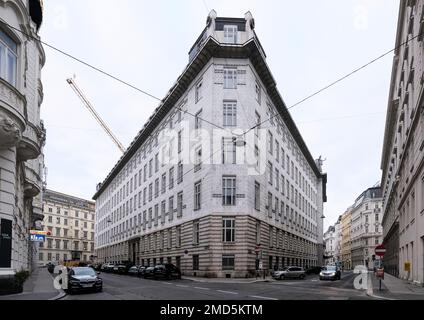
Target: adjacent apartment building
{"type": "Point", "coordinates": [219, 181]}
{"type": "Point", "coordinates": [22, 134]}
{"type": "Point", "coordinates": [345, 245]}
{"type": "Point", "coordinates": [403, 151]}
{"type": "Point", "coordinates": [330, 246]}
{"type": "Point", "coordinates": [70, 224]}
{"type": "Point", "coordinates": [365, 230]}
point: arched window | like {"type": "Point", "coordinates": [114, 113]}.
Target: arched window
{"type": "Point", "coordinates": [8, 58]}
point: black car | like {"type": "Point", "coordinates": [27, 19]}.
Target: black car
{"type": "Point", "coordinates": [166, 271]}
{"type": "Point", "coordinates": [122, 268]}
{"type": "Point", "coordinates": [84, 279]}
{"type": "Point", "coordinates": [313, 270]}
{"type": "Point", "coordinates": [148, 273]}
{"type": "Point", "coordinates": [330, 273]}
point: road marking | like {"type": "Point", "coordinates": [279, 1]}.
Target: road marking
{"type": "Point", "coordinates": [200, 288]}
{"type": "Point", "coordinates": [166, 283]}
{"type": "Point", "coordinates": [229, 292]}
{"type": "Point", "coordinates": [181, 286]}
{"type": "Point", "coordinates": [314, 280]}
{"type": "Point", "coordinates": [265, 298]}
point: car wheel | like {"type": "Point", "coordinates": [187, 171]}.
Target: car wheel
{"type": "Point", "coordinates": [100, 289]}
{"type": "Point", "coordinates": [302, 276]}
{"type": "Point", "coordinates": [281, 277]}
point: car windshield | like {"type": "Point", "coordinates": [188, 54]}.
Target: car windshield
{"type": "Point", "coordinates": [84, 272]}
{"type": "Point", "coordinates": [329, 268]}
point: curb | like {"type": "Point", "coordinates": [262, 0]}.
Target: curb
{"type": "Point", "coordinates": [370, 291]}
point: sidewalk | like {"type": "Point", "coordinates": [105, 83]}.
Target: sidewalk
{"type": "Point", "coordinates": [395, 289]}
{"type": "Point", "coordinates": [39, 286]}
{"type": "Point", "coordinates": [230, 280]}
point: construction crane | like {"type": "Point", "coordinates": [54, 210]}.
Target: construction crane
{"type": "Point", "coordinates": [94, 113]}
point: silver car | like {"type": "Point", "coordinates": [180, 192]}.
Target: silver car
{"type": "Point", "coordinates": [289, 273]}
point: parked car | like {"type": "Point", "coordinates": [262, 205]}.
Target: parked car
{"type": "Point", "coordinates": [141, 270]}
{"type": "Point", "coordinates": [107, 267]}
{"type": "Point", "coordinates": [149, 273]}
{"type": "Point", "coordinates": [330, 273]}
{"type": "Point", "coordinates": [133, 271]}
{"type": "Point", "coordinates": [289, 272]}
{"type": "Point", "coordinates": [167, 271]}
{"type": "Point", "coordinates": [313, 270]}
{"type": "Point", "coordinates": [84, 279]}
{"type": "Point", "coordinates": [122, 268]}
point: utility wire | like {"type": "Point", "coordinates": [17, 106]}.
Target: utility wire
{"type": "Point", "coordinates": [336, 82]}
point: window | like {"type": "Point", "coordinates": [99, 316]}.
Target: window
{"type": "Point", "coordinates": [228, 262]}
{"type": "Point", "coordinates": [229, 191]}
{"type": "Point", "coordinates": [156, 187]}
{"type": "Point", "coordinates": [157, 162]}
{"type": "Point", "coordinates": [257, 196]}
{"type": "Point", "coordinates": [257, 123]}
{"type": "Point", "coordinates": [198, 92]}
{"type": "Point", "coordinates": [230, 113]}
{"type": "Point", "coordinates": [230, 33]}
{"type": "Point", "coordinates": [198, 121]}
{"type": "Point", "coordinates": [171, 208]}
{"type": "Point", "coordinates": [178, 236]}
{"type": "Point", "coordinates": [228, 229]}
{"type": "Point", "coordinates": [163, 183]}
{"type": "Point", "coordinates": [270, 173]}
{"type": "Point", "coordinates": [258, 92]}
{"type": "Point", "coordinates": [277, 151]}
{"type": "Point", "coordinates": [228, 151]}
{"type": "Point", "coordinates": [197, 195]}
{"type": "Point", "coordinates": [195, 262]}
{"type": "Point", "coordinates": [171, 178]}
{"type": "Point", "coordinates": [196, 232]}
{"type": "Point", "coordinates": [180, 172]}
{"type": "Point", "coordinates": [8, 58]}
{"type": "Point", "coordinates": [163, 211]}
{"type": "Point", "coordinates": [150, 169]}
{"type": "Point", "coordinates": [180, 141]}
{"type": "Point", "coordinates": [198, 160]}
{"type": "Point", "coordinates": [270, 143]}
{"type": "Point", "coordinates": [269, 204]}
{"type": "Point", "coordinates": [180, 205]}
{"type": "Point", "coordinates": [230, 78]}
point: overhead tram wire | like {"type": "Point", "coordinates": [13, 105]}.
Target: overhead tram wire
{"type": "Point", "coordinates": [158, 99]}
{"type": "Point", "coordinates": [335, 82]}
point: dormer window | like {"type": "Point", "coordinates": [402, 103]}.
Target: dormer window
{"type": "Point", "coordinates": [8, 58]}
{"type": "Point", "coordinates": [230, 33]}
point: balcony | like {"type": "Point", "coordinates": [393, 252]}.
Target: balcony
{"type": "Point", "coordinates": [32, 142]}
{"type": "Point", "coordinates": [12, 115]}
{"type": "Point", "coordinates": [33, 183]}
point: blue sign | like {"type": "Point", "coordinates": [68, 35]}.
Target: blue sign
{"type": "Point", "coordinates": [37, 238]}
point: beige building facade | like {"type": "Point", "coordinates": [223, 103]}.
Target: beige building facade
{"type": "Point", "coordinates": [346, 256]}
{"type": "Point", "coordinates": [69, 222]}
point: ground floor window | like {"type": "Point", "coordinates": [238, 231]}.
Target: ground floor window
{"type": "Point", "coordinates": [195, 262]}
{"type": "Point", "coordinates": [228, 262]}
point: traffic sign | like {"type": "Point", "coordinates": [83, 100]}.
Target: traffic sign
{"type": "Point", "coordinates": [37, 238]}
{"type": "Point", "coordinates": [380, 250]}
{"type": "Point", "coordinates": [261, 265]}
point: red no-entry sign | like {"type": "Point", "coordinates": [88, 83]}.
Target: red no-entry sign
{"type": "Point", "coordinates": [380, 250]}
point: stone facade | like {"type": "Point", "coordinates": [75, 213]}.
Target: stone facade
{"type": "Point", "coordinates": [213, 212]}
{"type": "Point", "coordinates": [403, 152]}
{"type": "Point", "coordinates": [366, 230]}
{"type": "Point", "coordinates": [69, 222]}
{"type": "Point", "coordinates": [330, 246]}
{"type": "Point", "coordinates": [22, 134]}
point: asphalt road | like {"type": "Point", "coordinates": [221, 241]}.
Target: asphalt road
{"type": "Point", "coordinates": [121, 287]}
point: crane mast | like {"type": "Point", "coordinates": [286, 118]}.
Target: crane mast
{"type": "Point", "coordinates": [87, 103]}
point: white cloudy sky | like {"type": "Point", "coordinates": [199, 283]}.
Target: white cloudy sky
{"type": "Point", "coordinates": [308, 43]}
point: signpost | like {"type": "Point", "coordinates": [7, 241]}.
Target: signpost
{"type": "Point", "coordinates": [380, 251]}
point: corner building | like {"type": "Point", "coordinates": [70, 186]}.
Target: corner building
{"type": "Point", "coordinates": [22, 134]}
{"type": "Point", "coordinates": [212, 215]}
